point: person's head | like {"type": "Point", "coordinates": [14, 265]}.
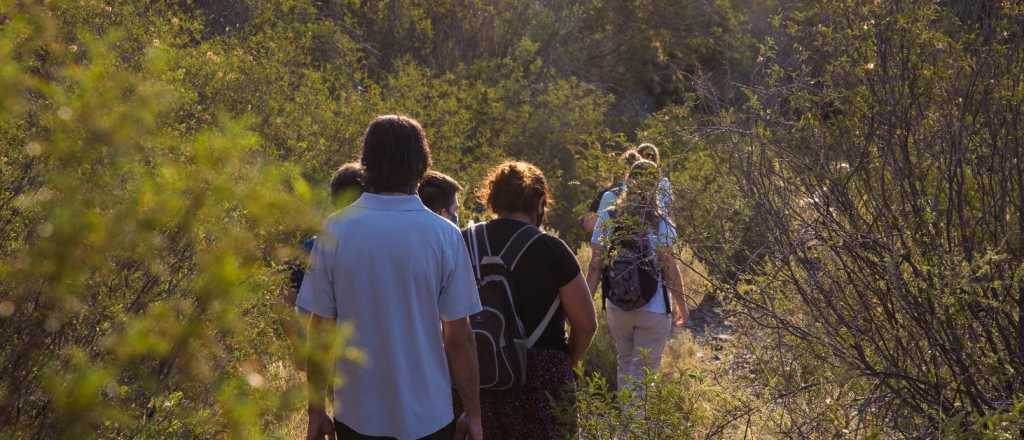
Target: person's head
{"type": "Point", "coordinates": [346, 184]}
{"type": "Point", "coordinates": [438, 192]}
{"type": "Point", "coordinates": [649, 152]}
{"type": "Point", "coordinates": [640, 197]}
{"type": "Point", "coordinates": [629, 158]}
{"type": "Point", "coordinates": [395, 155]}
{"type": "Point", "coordinates": [517, 188]}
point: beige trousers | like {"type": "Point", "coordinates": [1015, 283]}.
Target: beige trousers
{"type": "Point", "coordinates": [640, 338]}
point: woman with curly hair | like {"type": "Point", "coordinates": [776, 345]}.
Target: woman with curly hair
{"type": "Point", "coordinates": [546, 277]}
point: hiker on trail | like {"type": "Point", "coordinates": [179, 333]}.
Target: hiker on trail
{"type": "Point", "coordinates": [607, 195]}
{"type": "Point", "coordinates": [530, 284]}
{"type": "Point", "coordinates": [632, 258]}
{"type": "Point", "coordinates": [346, 187]}
{"type": "Point", "coordinates": [438, 192]}
{"type": "Point", "coordinates": [665, 194]}
{"type": "Point", "coordinates": [401, 276]}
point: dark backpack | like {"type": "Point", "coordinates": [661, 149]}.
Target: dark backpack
{"type": "Point", "coordinates": [631, 279]}
{"type": "Point", "coordinates": [501, 341]}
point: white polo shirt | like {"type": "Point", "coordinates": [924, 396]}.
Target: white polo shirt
{"type": "Point", "coordinates": [393, 269]}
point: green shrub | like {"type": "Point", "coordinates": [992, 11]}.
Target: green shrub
{"type": "Point", "coordinates": [138, 276]}
{"type": "Point", "coordinates": [846, 179]}
{"type": "Point", "coordinates": [886, 300]}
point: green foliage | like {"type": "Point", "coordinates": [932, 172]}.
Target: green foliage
{"type": "Point", "coordinates": [149, 158]}
{"type": "Point", "coordinates": [139, 287]}
{"type": "Point", "coordinates": [845, 173]}
{"type": "Point", "coordinates": [664, 411]}
{"type": "Point", "coordinates": [687, 399]}
{"type": "Point", "coordinates": [716, 219]}
{"type": "Point", "coordinates": [876, 154]}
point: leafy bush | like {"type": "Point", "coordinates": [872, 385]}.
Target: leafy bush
{"type": "Point", "coordinates": [689, 398]}
{"type": "Point", "coordinates": [846, 179]}
{"type": "Point", "coordinates": [879, 153]}
{"type": "Point", "coordinates": [139, 292]}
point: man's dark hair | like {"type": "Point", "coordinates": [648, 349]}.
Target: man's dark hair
{"type": "Point", "coordinates": [347, 177]}
{"type": "Point", "coordinates": [395, 154]}
{"type": "Point", "coordinates": [437, 190]}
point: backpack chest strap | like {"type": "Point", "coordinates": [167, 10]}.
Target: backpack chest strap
{"type": "Point", "coordinates": [518, 244]}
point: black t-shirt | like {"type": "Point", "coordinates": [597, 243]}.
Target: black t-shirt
{"type": "Point", "coordinates": [546, 266]}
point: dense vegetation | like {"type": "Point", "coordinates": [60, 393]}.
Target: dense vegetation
{"type": "Point", "coordinates": [849, 181]}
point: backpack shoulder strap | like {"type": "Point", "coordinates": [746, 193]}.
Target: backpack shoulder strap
{"type": "Point", "coordinates": [543, 323]}
{"type": "Point", "coordinates": [480, 235]}
{"type": "Point", "coordinates": [479, 256]}
{"type": "Point", "coordinates": [469, 236]}
{"type": "Point", "coordinates": [518, 244]}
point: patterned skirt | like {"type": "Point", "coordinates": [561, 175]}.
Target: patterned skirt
{"type": "Point", "coordinates": [542, 409]}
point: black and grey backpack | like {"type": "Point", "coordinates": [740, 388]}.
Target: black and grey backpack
{"type": "Point", "coordinates": [631, 279]}
{"type": "Point", "coordinates": [501, 341]}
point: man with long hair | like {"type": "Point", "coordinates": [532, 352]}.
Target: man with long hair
{"type": "Point", "coordinates": [401, 276]}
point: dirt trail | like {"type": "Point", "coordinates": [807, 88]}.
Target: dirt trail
{"type": "Point", "coordinates": [706, 319]}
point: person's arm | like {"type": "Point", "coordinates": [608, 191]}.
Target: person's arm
{"type": "Point", "coordinates": [318, 374]}
{"type": "Point", "coordinates": [597, 249]}
{"type": "Point", "coordinates": [460, 347]}
{"type": "Point", "coordinates": [588, 221]}
{"type": "Point", "coordinates": [579, 310]}
{"type": "Point", "coordinates": [595, 267]}
{"type": "Point", "coordinates": [674, 284]}
{"type": "Point", "coordinates": [316, 300]}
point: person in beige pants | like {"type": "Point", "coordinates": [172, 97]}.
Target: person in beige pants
{"type": "Point", "coordinates": [640, 334]}
{"type": "Point", "coordinates": [640, 337]}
